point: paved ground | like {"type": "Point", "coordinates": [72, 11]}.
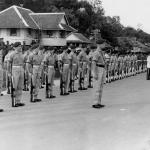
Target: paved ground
{"type": "Point", "coordinates": [69, 123]}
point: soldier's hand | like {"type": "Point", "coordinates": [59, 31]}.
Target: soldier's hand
{"type": "Point", "coordinates": [30, 74]}
{"type": "Point", "coordinates": [95, 76]}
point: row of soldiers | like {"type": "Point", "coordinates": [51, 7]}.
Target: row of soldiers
{"type": "Point", "coordinates": [119, 65]}
{"type": "Point", "coordinates": [36, 66]}
{"type": "Point", "coordinates": [31, 69]}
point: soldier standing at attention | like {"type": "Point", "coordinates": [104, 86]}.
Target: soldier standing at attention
{"type": "Point", "coordinates": [49, 62]}
{"type": "Point", "coordinates": [41, 54]}
{"type": "Point", "coordinates": [8, 83]}
{"type": "Point", "coordinates": [82, 60]}
{"type": "Point", "coordinates": [99, 76]}
{"type": "Point", "coordinates": [65, 63]}
{"type": "Point", "coordinates": [15, 65]}
{"type": "Point", "coordinates": [34, 69]}
{"type": "Point", "coordinates": [1, 70]}
{"type": "Point", "coordinates": [73, 68]}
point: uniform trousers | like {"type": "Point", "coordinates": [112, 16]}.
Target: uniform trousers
{"type": "Point", "coordinates": [66, 77]}
{"type": "Point", "coordinates": [36, 80]}
{"type": "Point", "coordinates": [98, 85]}
{"type": "Point", "coordinates": [18, 81]}
{"type": "Point", "coordinates": [1, 78]}
{"type": "Point", "coordinates": [51, 75]}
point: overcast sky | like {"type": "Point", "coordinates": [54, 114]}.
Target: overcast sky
{"type": "Point", "coordinates": [132, 12]}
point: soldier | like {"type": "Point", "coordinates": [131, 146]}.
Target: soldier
{"type": "Point", "coordinates": [73, 68]}
{"type": "Point", "coordinates": [8, 78]}
{"type": "Point", "coordinates": [112, 64]}
{"type": "Point", "coordinates": [49, 62]}
{"type": "Point", "coordinates": [1, 70]}
{"type": "Point", "coordinates": [107, 58]}
{"type": "Point", "coordinates": [34, 69]}
{"type": "Point", "coordinates": [15, 69]}
{"type": "Point", "coordinates": [82, 64]}
{"type": "Point", "coordinates": [64, 63]}
{"type": "Point", "coordinates": [41, 54]}
{"type": "Point", "coordinates": [99, 76]}
{"type": "Point", "coordinates": [89, 74]}
{"type": "Point", "coordinates": [26, 73]}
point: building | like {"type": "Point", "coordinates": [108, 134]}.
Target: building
{"type": "Point", "coordinates": [23, 25]}
{"type": "Point", "coordinates": [77, 38]}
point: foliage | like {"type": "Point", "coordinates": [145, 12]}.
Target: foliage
{"type": "Point", "coordinates": [87, 17]}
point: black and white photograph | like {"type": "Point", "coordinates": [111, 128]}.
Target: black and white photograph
{"type": "Point", "coordinates": [74, 75]}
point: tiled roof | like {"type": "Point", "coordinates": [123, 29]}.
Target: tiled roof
{"type": "Point", "coordinates": [48, 21]}
{"type": "Point", "coordinates": [80, 38]}
{"type": "Point", "coordinates": [16, 17]}
{"type": "Point", "coordinates": [29, 20]}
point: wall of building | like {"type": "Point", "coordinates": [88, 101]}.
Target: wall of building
{"type": "Point", "coordinates": [53, 40]}
{"type": "Point", "coordinates": [22, 36]}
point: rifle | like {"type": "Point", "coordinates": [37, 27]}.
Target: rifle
{"type": "Point", "coordinates": [8, 84]}
{"type": "Point", "coordinates": [25, 82]}
{"type": "Point", "coordinates": [61, 82]}
{"type": "Point", "coordinates": [12, 92]}
{"type": "Point", "coordinates": [90, 80]}
{"type": "Point", "coordinates": [47, 86]}
{"type": "Point", "coordinates": [31, 91]}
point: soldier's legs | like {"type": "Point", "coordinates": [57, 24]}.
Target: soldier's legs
{"type": "Point", "coordinates": [66, 77]}
{"type": "Point", "coordinates": [20, 85]}
{"type": "Point", "coordinates": [16, 75]}
{"type": "Point", "coordinates": [98, 86]}
{"type": "Point", "coordinates": [1, 80]}
{"type": "Point", "coordinates": [36, 82]}
{"type": "Point", "coordinates": [51, 75]}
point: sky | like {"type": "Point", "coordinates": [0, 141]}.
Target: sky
{"type": "Point", "coordinates": [134, 13]}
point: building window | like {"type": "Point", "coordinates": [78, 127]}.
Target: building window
{"type": "Point", "coordinates": [13, 32]}
{"type": "Point", "coordinates": [49, 33]}
{"type": "Point", "coordinates": [62, 34]}
{"type": "Point", "coordinates": [29, 31]}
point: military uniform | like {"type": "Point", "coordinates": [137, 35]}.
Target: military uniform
{"type": "Point", "coordinates": [99, 77]}
{"type": "Point", "coordinates": [82, 68]}
{"type": "Point", "coordinates": [49, 62]}
{"type": "Point", "coordinates": [65, 72]}
{"type": "Point", "coordinates": [26, 73]}
{"type": "Point", "coordinates": [16, 61]}
{"type": "Point", "coordinates": [1, 70]}
{"type": "Point", "coordinates": [8, 78]}
{"type": "Point", "coordinates": [41, 54]}
{"type": "Point", "coordinates": [34, 67]}
{"type": "Point", "coordinates": [73, 68]}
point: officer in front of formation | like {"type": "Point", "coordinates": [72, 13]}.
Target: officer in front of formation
{"type": "Point", "coordinates": [16, 71]}
{"type": "Point", "coordinates": [99, 76]}
{"type": "Point", "coordinates": [49, 63]}
{"type": "Point", "coordinates": [34, 69]}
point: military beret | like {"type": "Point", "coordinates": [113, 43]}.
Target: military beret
{"type": "Point", "coordinates": [72, 46]}
{"type": "Point", "coordinates": [93, 46]}
{"type": "Point", "coordinates": [41, 47]}
{"type": "Point", "coordinates": [16, 44]}
{"type": "Point", "coordinates": [84, 46]}
{"type": "Point", "coordinates": [64, 48]}
{"type": "Point", "coordinates": [35, 46]}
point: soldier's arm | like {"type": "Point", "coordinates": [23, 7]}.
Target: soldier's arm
{"type": "Point", "coordinates": [29, 66]}
{"type": "Point", "coordinates": [9, 64]}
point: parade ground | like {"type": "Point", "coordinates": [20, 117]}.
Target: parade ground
{"type": "Point", "coordinates": [70, 123]}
